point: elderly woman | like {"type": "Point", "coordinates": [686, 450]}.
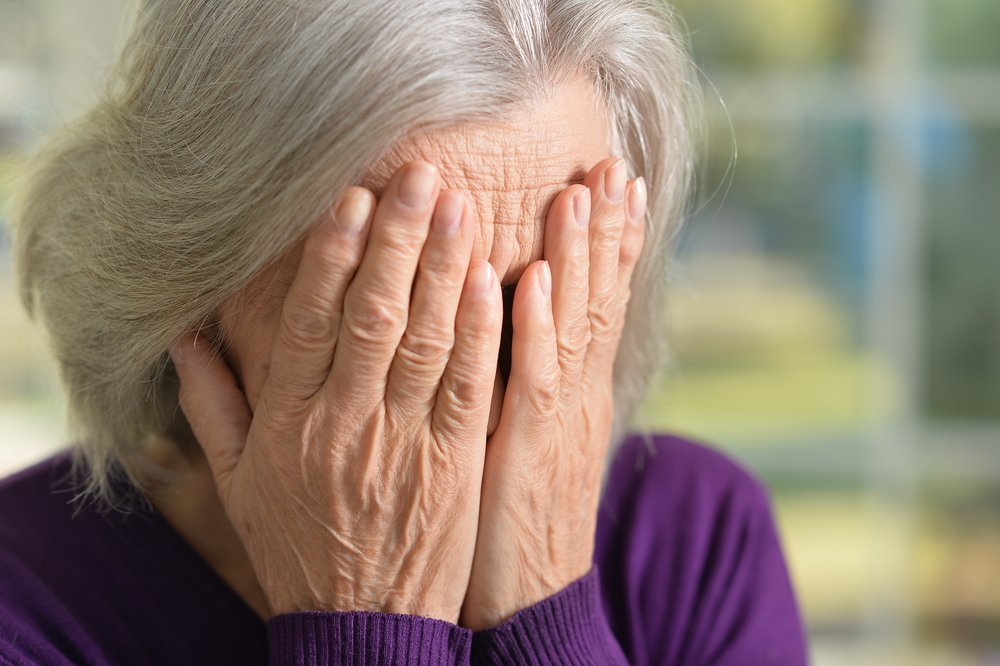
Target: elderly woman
{"type": "Point", "coordinates": [353, 303]}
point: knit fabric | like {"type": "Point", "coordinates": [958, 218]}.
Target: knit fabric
{"type": "Point", "coordinates": [687, 569]}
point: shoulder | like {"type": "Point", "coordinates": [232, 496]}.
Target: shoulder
{"type": "Point", "coordinates": [58, 567]}
{"type": "Point", "coordinates": [667, 466]}
{"type": "Point", "coordinates": [672, 497]}
{"type": "Point", "coordinates": [40, 550]}
{"type": "Point", "coordinates": [41, 524]}
{"type": "Point", "coordinates": [31, 607]}
{"type": "Point", "coordinates": [659, 484]}
{"type": "Point", "coordinates": [690, 559]}
{"type": "Point", "coordinates": [24, 486]}
{"type": "Point", "coordinates": [79, 585]}
{"type": "Point", "coordinates": [34, 506]}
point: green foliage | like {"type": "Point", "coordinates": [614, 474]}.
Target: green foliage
{"type": "Point", "coordinates": [963, 32]}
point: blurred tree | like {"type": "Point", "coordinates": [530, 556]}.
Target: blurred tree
{"type": "Point", "coordinates": [751, 35]}
{"type": "Point", "coordinates": [963, 32]}
{"type": "Point", "coordinates": [962, 314]}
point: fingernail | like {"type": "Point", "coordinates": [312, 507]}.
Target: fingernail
{"type": "Point", "coordinates": [581, 206]}
{"type": "Point", "coordinates": [482, 277]}
{"type": "Point", "coordinates": [448, 214]}
{"type": "Point", "coordinates": [636, 203]}
{"type": "Point", "coordinates": [614, 181]}
{"type": "Point", "coordinates": [352, 213]}
{"type": "Point", "coordinates": [417, 185]}
{"type": "Point", "coordinates": [545, 280]}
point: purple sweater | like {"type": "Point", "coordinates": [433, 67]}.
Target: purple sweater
{"type": "Point", "coordinates": [687, 570]}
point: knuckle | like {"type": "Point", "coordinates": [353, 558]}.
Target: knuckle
{"type": "Point", "coordinates": [570, 355]}
{"type": "Point", "coordinates": [374, 324]}
{"type": "Point", "coordinates": [603, 315]}
{"type": "Point", "coordinates": [572, 345]}
{"type": "Point", "coordinates": [543, 394]}
{"type": "Point", "coordinates": [571, 359]}
{"type": "Point", "coordinates": [419, 350]}
{"type": "Point", "coordinates": [607, 240]}
{"type": "Point", "coordinates": [306, 324]}
{"type": "Point", "coordinates": [603, 329]}
{"type": "Point", "coordinates": [462, 391]}
{"type": "Point", "coordinates": [403, 241]}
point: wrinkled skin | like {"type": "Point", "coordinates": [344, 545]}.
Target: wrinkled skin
{"type": "Point", "coordinates": [364, 451]}
{"type": "Point", "coordinates": [544, 461]}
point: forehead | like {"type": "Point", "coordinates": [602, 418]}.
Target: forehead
{"type": "Point", "coordinates": [551, 142]}
{"type": "Point", "coordinates": [512, 169]}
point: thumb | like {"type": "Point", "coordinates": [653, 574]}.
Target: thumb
{"type": "Point", "coordinates": [213, 403]}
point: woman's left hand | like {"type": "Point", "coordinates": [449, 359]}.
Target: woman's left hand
{"type": "Point", "coordinates": [544, 461]}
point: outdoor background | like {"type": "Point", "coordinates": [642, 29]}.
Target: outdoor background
{"type": "Point", "coordinates": [836, 317]}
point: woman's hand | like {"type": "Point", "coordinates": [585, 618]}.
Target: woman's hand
{"type": "Point", "coordinates": [545, 460]}
{"type": "Point", "coordinates": [355, 483]}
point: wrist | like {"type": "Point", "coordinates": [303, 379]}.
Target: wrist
{"type": "Point", "coordinates": [382, 603]}
{"type": "Point", "coordinates": [504, 601]}
{"type": "Point", "coordinates": [568, 627]}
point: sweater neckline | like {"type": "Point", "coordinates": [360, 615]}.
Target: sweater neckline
{"type": "Point", "coordinates": [181, 557]}
{"type": "Point", "coordinates": [199, 566]}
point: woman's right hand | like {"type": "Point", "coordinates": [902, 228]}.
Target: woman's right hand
{"type": "Point", "coordinates": [355, 483]}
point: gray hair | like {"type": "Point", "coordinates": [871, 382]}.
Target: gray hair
{"type": "Point", "coordinates": [227, 126]}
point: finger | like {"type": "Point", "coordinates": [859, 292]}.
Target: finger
{"type": "Point", "coordinates": [607, 183]}
{"type": "Point", "coordinates": [567, 251]}
{"type": "Point", "coordinates": [377, 302]}
{"type": "Point", "coordinates": [430, 329]}
{"type": "Point", "coordinates": [213, 403]}
{"type": "Point", "coordinates": [532, 395]}
{"type": "Point", "coordinates": [462, 404]}
{"type": "Point", "coordinates": [633, 235]}
{"type": "Point", "coordinates": [604, 348]}
{"type": "Point", "coordinates": [310, 318]}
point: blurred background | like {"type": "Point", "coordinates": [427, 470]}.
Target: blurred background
{"type": "Point", "coordinates": [835, 308]}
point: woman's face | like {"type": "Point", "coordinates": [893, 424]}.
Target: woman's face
{"type": "Point", "coordinates": [511, 171]}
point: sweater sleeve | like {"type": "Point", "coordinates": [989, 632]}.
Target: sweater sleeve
{"type": "Point", "coordinates": [692, 565]}
{"type": "Point", "coordinates": [361, 638]}
{"type": "Point", "coordinates": [570, 627]}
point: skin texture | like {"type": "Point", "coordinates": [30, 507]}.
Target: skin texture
{"type": "Point", "coordinates": [512, 171]}
{"type": "Point", "coordinates": [364, 453]}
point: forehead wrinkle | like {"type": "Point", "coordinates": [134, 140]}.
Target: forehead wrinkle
{"type": "Point", "coordinates": [511, 170]}
{"type": "Point", "coordinates": [535, 149]}
{"type": "Point", "coordinates": [516, 207]}
{"type": "Point", "coordinates": [502, 182]}
{"type": "Point", "coordinates": [486, 171]}
{"type": "Point", "coordinates": [508, 163]}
